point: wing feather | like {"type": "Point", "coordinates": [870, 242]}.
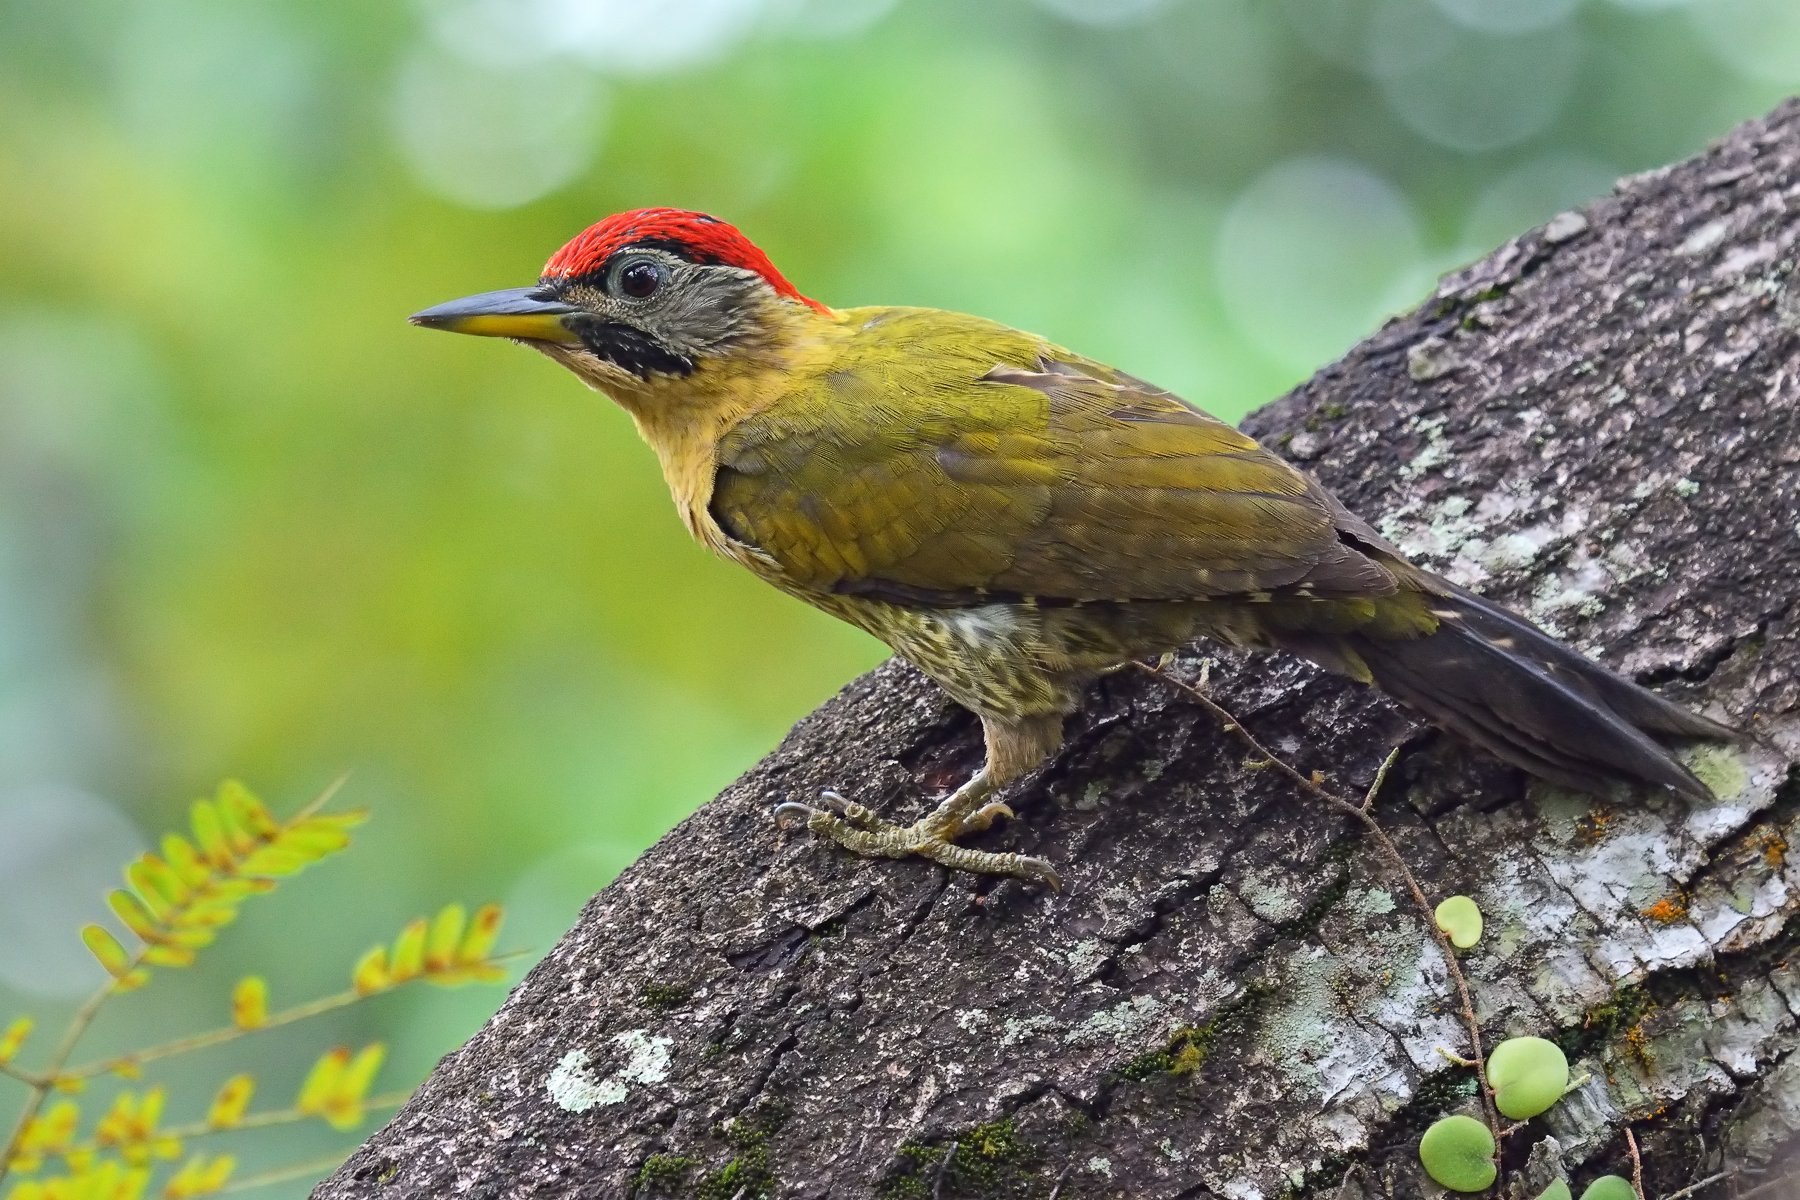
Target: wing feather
{"type": "Point", "coordinates": [937, 478]}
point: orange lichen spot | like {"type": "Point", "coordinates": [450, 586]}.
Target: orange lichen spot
{"type": "Point", "coordinates": [1637, 1045]}
{"type": "Point", "coordinates": [1669, 910]}
{"type": "Point", "coordinates": [1774, 849]}
{"type": "Point", "coordinates": [1592, 828]}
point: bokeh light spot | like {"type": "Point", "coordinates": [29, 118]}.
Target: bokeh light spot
{"type": "Point", "coordinates": [1757, 38]}
{"type": "Point", "coordinates": [626, 37]}
{"type": "Point", "coordinates": [1531, 194]}
{"type": "Point", "coordinates": [1305, 253]}
{"type": "Point", "coordinates": [1472, 92]}
{"type": "Point", "coordinates": [495, 137]}
{"type": "Point", "coordinates": [1402, 37]}
{"type": "Point", "coordinates": [499, 33]}
{"type": "Point", "coordinates": [1508, 16]}
{"type": "Point", "coordinates": [60, 851]}
{"type": "Point", "coordinates": [937, 139]}
{"type": "Point", "coordinates": [632, 37]}
{"type": "Point", "coordinates": [1105, 12]}
{"type": "Point", "coordinates": [820, 19]}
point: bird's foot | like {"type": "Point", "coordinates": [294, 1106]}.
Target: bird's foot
{"type": "Point", "coordinates": [857, 829]}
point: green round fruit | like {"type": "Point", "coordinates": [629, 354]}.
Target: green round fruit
{"type": "Point", "coordinates": [1529, 1074]}
{"type": "Point", "coordinates": [1609, 1187]}
{"type": "Point", "coordinates": [1461, 919]}
{"type": "Point", "coordinates": [1458, 1153]}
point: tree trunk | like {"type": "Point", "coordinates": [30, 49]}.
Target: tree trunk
{"type": "Point", "coordinates": [1234, 996]}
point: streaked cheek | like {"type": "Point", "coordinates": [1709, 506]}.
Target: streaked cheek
{"type": "Point", "coordinates": [593, 370]}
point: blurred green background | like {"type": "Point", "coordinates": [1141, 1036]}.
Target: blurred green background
{"type": "Point", "coordinates": [251, 523]}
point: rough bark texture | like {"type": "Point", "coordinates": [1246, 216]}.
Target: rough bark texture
{"type": "Point", "coordinates": [1597, 424]}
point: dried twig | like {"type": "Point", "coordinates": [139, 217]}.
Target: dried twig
{"type": "Point", "coordinates": [1637, 1163]}
{"type": "Point", "coordinates": [1698, 1185]}
{"type": "Point", "coordinates": [1361, 812]}
{"type": "Point", "coordinates": [1767, 1186]}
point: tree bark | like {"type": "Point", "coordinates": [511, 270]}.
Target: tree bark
{"type": "Point", "coordinates": [1234, 996]}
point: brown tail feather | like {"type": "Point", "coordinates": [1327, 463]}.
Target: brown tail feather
{"type": "Point", "coordinates": [1501, 682]}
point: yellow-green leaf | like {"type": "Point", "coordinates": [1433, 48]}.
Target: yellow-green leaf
{"type": "Point", "coordinates": [228, 803]}
{"type": "Point", "coordinates": [200, 1176]}
{"type": "Point", "coordinates": [52, 1131]}
{"type": "Point", "coordinates": [247, 812]}
{"type": "Point", "coordinates": [322, 1081]}
{"type": "Point", "coordinates": [250, 1002]}
{"type": "Point", "coordinates": [168, 956]}
{"type": "Point", "coordinates": [151, 1109]}
{"type": "Point", "coordinates": [105, 947]}
{"type": "Point", "coordinates": [184, 860]}
{"type": "Point", "coordinates": [359, 1076]}
{"type": "Point", "coordinates": [218, 1172]}
{"type": "Point", "coordinates": [371, 974]}
{"type": "Point", "coordinates": [209, 914]}
{"type": "Point", "coordinates": [344, 1109]}
{"type": "Point", "coordinates": [445, 937]}
{"type": "Point", "coordinates": [338, 1085]}
{"type": "Point", "coordinates": [13, 1040]}
{"type": "Point", "coordinates": [159, 886]}
{"type": "Point", "coordinates": [209, 834]}
{"type": "Point", "coordinates": [231, 1102]}
{"type": "Point", "coordinates": [190, 939]}
{"type": "Point", "coordinates": [409, 951]}
{"type": "Point", "coordinates": [484, 931]}
{"type": "Point", "coordinates": [133, 915]}
{"type": "Point", "coordinates": [315, 838]}
{"type": "Point", "coordinates": [273, 860]}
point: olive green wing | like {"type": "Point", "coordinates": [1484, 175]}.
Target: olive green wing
{"type": "Point", "coordinates": [934, 477]}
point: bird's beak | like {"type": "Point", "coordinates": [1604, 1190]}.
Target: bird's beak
{"type": "Point", "coordinates": [530, 314]}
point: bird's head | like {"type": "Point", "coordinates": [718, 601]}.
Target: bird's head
{"type": "Point", "coordinates": [639, 301]}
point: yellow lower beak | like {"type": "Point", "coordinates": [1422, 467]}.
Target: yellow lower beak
{"type": "Point", "coordinates": [529, 314]}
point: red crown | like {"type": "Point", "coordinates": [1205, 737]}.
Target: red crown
{"type": "Point", "coordinates": [693, 235]}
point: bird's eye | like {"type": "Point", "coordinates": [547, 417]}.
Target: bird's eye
{"type": "Point", "coordinates": [640, 279]}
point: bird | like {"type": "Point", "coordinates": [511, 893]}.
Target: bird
{"type": "Point", "coordinates": [1017, 520]}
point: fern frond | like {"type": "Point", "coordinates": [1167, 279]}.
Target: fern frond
{"type": "Point", "coordinates": [200, 1176]}
{"type": "Point", "coordinates": [449, 950]}
{"type": "Point", "coordinates": [176, 902]}
{"type": "Point", "coordinates": [108, 1180]}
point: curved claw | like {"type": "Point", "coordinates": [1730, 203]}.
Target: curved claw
{"type": "Point", "coordinates": [835, 808]}
{"type": "Point", "coordinates": [984, 817]}
{"type": "Point", "coordinates": [1039, 870]}
{"type": "Point", "coordinates": [849, 810]}
{"type": "Point", "coordinates": [793, 810]}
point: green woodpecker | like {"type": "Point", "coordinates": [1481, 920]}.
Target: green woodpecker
{"type": "Point", "coordinates": [1016, 519]}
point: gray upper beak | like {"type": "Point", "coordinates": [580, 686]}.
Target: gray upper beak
{"type": "Point", "coordinates": [530, 314]}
